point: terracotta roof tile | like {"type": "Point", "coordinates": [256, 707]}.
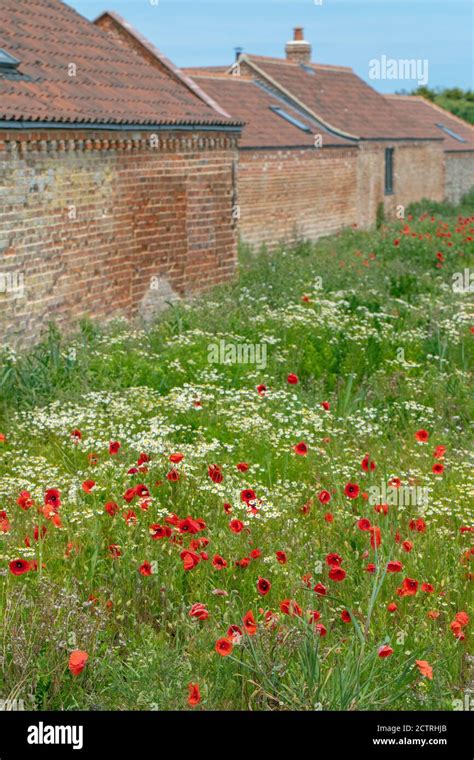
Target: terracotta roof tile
{"type": "Point", "coordinates": [245, 99]}
{"type": "Point", "coordinates": [342, 100]}
{"type": "Point", "coordinates": [432, 114]}
{"type": "Point", "coordinates": [113, 85]}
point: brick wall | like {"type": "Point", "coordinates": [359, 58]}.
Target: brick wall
{"type": "Point", "coordinates": [459, 175]}
{"type": "Point", "coordinates": [106, 224]}
{"type": "Point", "coordinates": [284, 195]}
{"type": "Point", "coordinates": [418, 173]}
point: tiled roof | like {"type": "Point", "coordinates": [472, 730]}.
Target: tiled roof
{"type": "Point", "coordinates": [432, 114]}
{"type": "Point", "coordinates": [341, 99]}
{"type": "Point", "coordinates": [245, 99]}
{"type": "Point", "coordinates": [113, 85]}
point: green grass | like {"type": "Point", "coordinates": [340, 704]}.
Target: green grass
{"type": "Point", "coordinates": [384, 339]}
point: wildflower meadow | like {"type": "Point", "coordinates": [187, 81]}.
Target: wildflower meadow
{"type": "Point", "coordinates": [262, 501]}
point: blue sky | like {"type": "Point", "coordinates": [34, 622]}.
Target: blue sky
{"type": "Point", "coordinates": [344, 32]}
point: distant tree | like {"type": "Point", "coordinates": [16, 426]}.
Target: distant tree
{"type": "Point", "coordinates": [454, 99]}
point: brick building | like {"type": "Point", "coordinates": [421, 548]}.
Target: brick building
{"type": "Point", "coordinates": [117, 173]}
{"type": "Point", "coordinates": [371, 150]}
{"type": "Point", "coordinates": [124, 181]}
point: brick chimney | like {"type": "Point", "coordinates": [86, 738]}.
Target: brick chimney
{"type": "Point", "coordinates": [298, 50]}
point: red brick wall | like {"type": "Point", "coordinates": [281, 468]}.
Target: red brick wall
{"type": "Point", "coordinates": [284, 195]}
{"type": "Point", "coordinates": [103, 224]}
{"type": "Point", "coordinates": [418, 173]}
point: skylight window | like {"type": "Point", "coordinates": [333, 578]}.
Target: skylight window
{"type": "Point", "coordinates": [308, 69]}
{"type": "Point", "coordinates": [7, 61]}
{"type": "Point", "coordinates": [292, 119]}
{"type": "Point", "coordinates": [451, 133]}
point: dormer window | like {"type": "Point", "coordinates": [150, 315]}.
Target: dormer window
{"type": "Point", "coordinates": [7, 61]}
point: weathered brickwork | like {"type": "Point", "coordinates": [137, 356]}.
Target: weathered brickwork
{"type": "Point", "coordinates": [285, 195]}
{"type": "Point", "coordinates": [110, 223]}
{"type": "Point", "coordinates": [459, 174]}
{"type": "Point", "coordinates": [418, 173]}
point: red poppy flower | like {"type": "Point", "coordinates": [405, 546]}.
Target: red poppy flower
{"type": "Point", "coordinates": [198, 611]}
{"type": "Point", "coordinates": [290, 607]}
{"type": "Point", "coordinates": [326, 405]}
{"type": "Point", "coordinates": [438, 468]}
{"type": "Point", "coordinates": [394, 567]}
{"type": "Point", "coordinates": [392, 607]}
{"type": "Point", "coordinates": [462, 618]}
{"type": "Point", "coordinates": [422, 435]}
{"type": "Point", "coordinates": [215, 474]}
{"type": "Point", "coordinates": [115, 551]}
{"type": "Point", "coordinates": [385, 651]}
{"type": "Point", "coordinates": [368, 464]}
{"type": "Point", "coordinates": [176, 458]}
{"type": "Point", "coordinates": [190, 559]}
{"type": "Point", "coordinates": [145, 569]}
{"type": "Point", "coordinates": [301, 449]}
{"type": "Point", "coordinates": [352, 490]}
{"type": "Point", "coordinates": [346, 616]}
{"type": "Point", "coordinates": [409, 587]}
{"type": "Point", "coordinates": [130, 517]}
{"type": "Point", "coordinates": [324, 497]}
{"type": "Point", "coordinates": [236, 526]}
{"type": "Point", "coordinates": [224, 647]}
{"type": "Point", "coordinates": [242, 466]}
{"type": "Point", "coordinates": [112, 508]}
{"type": "Point", "coordinates": [114, 447]}
{"type": "Point", "coordinates": [88, 486]}
{"type": "Point", "coordinates": [337, 573]}
{"type": "Point", "coordinates": [333, 559]}
{"type": "Point", "coordinates": [263, 586]}
{"type": "Point", "coordinates": [234, 633]}
{"type": "Point", "coordinates": [4, 522]}
{"type": "Point", "coordinates": [394, 482]}
{"type": "Point", "coordinates": [425, 669]}
{"type": "Point", "coordinates": [261, 389]}
{"type": "Point", "coordinates": [370, 568]}
{"type": "Point", "coordinates": [77, 661]}
{"type": "Point", "coordinates": [194, 696]}
{"type": "Point", "coordinates": [407, 546]}
{"type": "Point", "coordinates": [364, 524]}
{"type": "Point", "coordinates": [281, 557]}
{"type": "Point", "coordinates": [52, 498]}
{"type": "Point", "coordinates": [158, 531]}
{"type": "Point", "coordinates": [173, 475]}
{"type": "Point", "coordinates": [419, 525]}
{"type": "Point", "coordinates": [255, 553]}
{"type": "Point", "coordinates": [19, 566]}
{"type": "Point", "coordinates": [219, 562]}
{"type": "Point", "coordinates": [76, 435]}
{"type": "Point", "coordinates": [188, 525]}
{"type": "Point", "coordinates": [439, 452]}
{"type": "Point", "coordinates": [456, 628]}
{"type": "Point", "coordinates": [314, 616]}
{"type": "Point", "coordinates": [375, 536]}
{"type": "Point", "coordinates": [24, 500]}
{"type": "Point", "coordinates": [321, 629]}
{"type": "Point", "coordinates": [292, 379]}
{"type": "Point", "coordinates": [249, 623]}
{"type": "Point", "coordinates": [428, 588]}
{"type": "Point", "coordinates": [142, 459]}
{"type": "Point", "coordinates": [320, 589]}
{"type": "Point", "coordinates": [248, 494]}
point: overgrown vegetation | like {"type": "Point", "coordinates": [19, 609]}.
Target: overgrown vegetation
{"type": "Point", "coordinates": [367, 593]}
